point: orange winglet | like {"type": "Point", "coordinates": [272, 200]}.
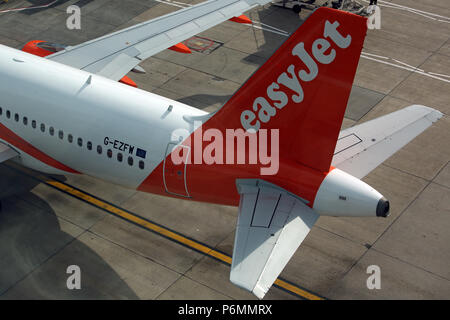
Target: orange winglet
{"type": "Point", "coordinates": [242, 19]}
{"type": "Point", "coordinates": [126, 80]}
{"type": "Point", "coordinates": [180, 47]}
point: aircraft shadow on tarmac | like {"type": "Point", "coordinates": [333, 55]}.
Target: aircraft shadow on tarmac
{"type": "Point", "coordinates": [266, 46]}
{"type": "Point", "coordinates": [35, 252]}
{"type": "Point", "coordinates": [283, 19]}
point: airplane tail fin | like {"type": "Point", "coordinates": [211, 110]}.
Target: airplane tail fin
{"type": "Point", "coordinates": [303, 89]}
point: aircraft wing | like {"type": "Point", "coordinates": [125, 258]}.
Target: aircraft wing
{"type": "Point", "coordinates": [362, 148]}
{"type": "Point", "coordinates": [6, 152]}
{"type": "Point", "coordinates": [114, 55]}
{"type": "Point", "coordinates": [271, 226]}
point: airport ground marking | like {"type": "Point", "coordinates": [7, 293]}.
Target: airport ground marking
{"type": "Point", "coordinates": [170, 234]}
{"type": "Point", "coordinates": [396, 63]}
{"type": "Point", "coordinates": [156, 228]}
{"type": "Point", "coordinates": [30, 7]}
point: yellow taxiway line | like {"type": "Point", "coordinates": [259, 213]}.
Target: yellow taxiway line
{"type": "Point", "coordinates": [161, 230]}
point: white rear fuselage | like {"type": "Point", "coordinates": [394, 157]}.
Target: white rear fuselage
{"type": "Point", "coordinates": [63, 120]}
{"type": "Point", "coordinates": [91, 109]}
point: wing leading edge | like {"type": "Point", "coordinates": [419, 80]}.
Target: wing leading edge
{"type": "Point", "coordinates": [114, 55]}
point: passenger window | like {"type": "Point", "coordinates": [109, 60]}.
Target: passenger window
{"type": "Point", "coordinates": [16, 117]}
{"type": "Point", "coordinates": [130, 160]}
{"type": "Point", "coordinates": [141, 164]}
{"type": "Point", "coordinates": [119, 157]}
{"type": "Point", "coordinates": [8, 114]}
{"type": "Point", "coordinates": [42, 127]}
{"type": "Point", "coordinates": [51, 130]}
{"type": "Point", "coordinates": [70, 138]}
{"type": "Point", "coordinates": [89, 145]}
{"type": "Point", "coordinates": [33, 124]}
{"type": "Point", "coordinates": [109, 153]}
{"type": "Point", "coordinates": [99, 149]}
{"type": "Point", "coordinates": [80, 142]}
{"type": "Point", "coordinates": [61, 134]}
{"type": "Point", "coordinates": [1, 111]}
{"type": "Point", "coordinates": [25, 121]}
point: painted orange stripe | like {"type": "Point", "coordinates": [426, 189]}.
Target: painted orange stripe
{"type": "Point", "coordinates": [12, 138]}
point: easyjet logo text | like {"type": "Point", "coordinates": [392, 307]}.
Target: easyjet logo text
{"type": "Point", "coordinates": [278, 95]}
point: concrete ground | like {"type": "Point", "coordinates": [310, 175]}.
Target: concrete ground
{"type": "Point", "coordinates": [44, 230]}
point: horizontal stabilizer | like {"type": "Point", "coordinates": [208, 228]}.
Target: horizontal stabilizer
{"type": "Point", "coordinates": [362, 148]}
{"type": "Point", "coordinates": [271, 226]}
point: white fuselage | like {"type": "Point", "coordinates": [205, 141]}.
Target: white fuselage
{"type": "Point", "coordinates": [89, 107]}
{"type": "Point", "coordinates": [63, 120]}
